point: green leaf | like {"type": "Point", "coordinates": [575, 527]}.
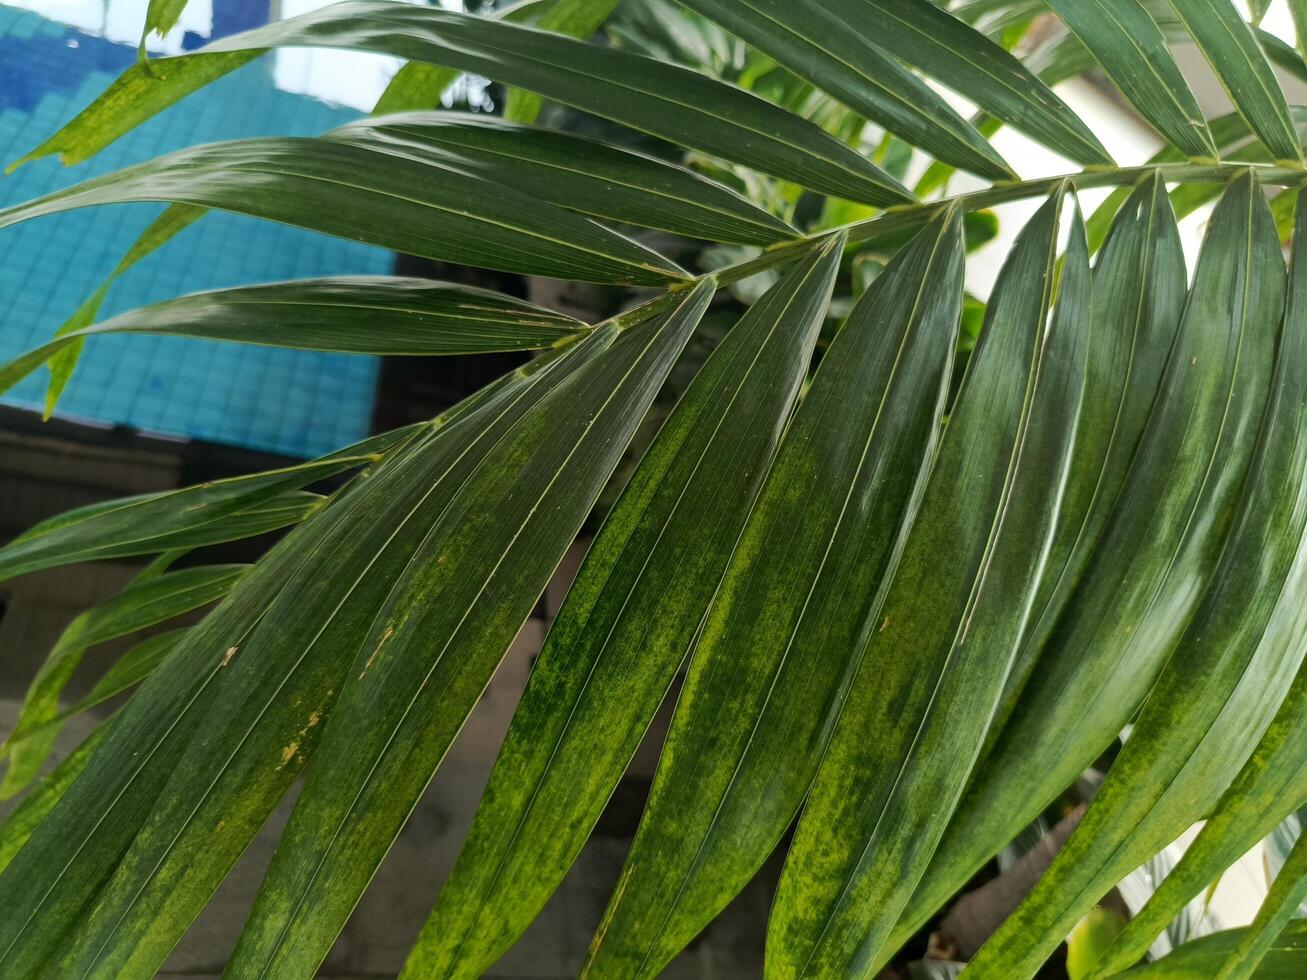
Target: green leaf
{"type": "Point", "coordinates": [297, 619]}
{"type": "Point", "coordinates": [419, 85]}
{"type": "Point", "coordinates": [1281, 904]}
{"type": "Point", "coordinates": [631, 616]}
{"type": "Point", "coordinates": [278, 683]}
{"type": "Point", "coordinates": [40, 800]}
{"type": "Point", "coordinates": [137, 607]}
{"type": "Point", "coordinates": [676, 104]}
{"type": "Point", "coordinates": [1270, 786]}
{"type": "Point", "coordinates": [62, 354]}
{"type": "Point", "coordinates": [356, 315]}
{"type": "Point", "coordinates": [1057, 59]}
{"type": "Point", "coordinates": [1284, 56]}
{"type": "Point", "coordinates": [583, 175]}
{"type": "Point", "coordinates": [817, 46]}
{"type": "Point", "coordinates": [1286, 958]}
{"type": "Point", "coordinates": [131, 668]}
{"type": "Point", "coordinates": [1005, 21]}
{"type": "Point", "coordinates": [1220, 689]}
{"type": "Point", "coordinates": [1139, 295]}
{"type": "Point", "coordinates": [140, 93]}
{"type": "Point", "coordinates": [1279, 843]}
{"type": "Point", "coordinates": [161, 16]}
{"type": "Point", "coordinates": [208, 513]}
{"type": "Point", "coordinates": [1284, 206]}
{"type": "Point", "coordinates": [1230, 47]}
{"type": "Point", "coordinates": [574, 18]}
{"type": "Point", "coordinates": [1147, 575]}
{"type": "Point", "coordinates": [1127, 42]}
{"type": "Point", "coordinates": [416, 86]}
{"type": "Point", "coordinates": [1086, 942]}
{"type": "Point", "coordinates": [1298, 11]}
{"type": "Point", "coordinates": [1232, 137]}
{"type": "Point", "coordinates": [884, 791]}
{"type": "Point", "coordinates": [174, 218]}
{"type": "Point", "coordinates": [343, 189]}
{"type": "Point", "coordinates": [791, 616]}
{"type": "Point", "coordinates": [935, 41]}
{"type": "Point", "coordinates": [441, 633]}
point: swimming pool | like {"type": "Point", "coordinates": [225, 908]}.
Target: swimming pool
{"type": "Point", "coordinates": [295, 403]}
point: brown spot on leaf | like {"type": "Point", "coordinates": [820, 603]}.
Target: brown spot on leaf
{"type": "Point", "coordinates": [226, 657]}
{"type": "Point", "coordinates": [390, 631]}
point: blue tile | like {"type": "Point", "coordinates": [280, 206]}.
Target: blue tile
{"type": "Point", "coordinates": [257, 397]}
{"type": "Point", "coordinates": [24, 28]}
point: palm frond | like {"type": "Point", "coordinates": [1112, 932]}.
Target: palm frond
{"type": "Point", "coordinates": [918, 578]}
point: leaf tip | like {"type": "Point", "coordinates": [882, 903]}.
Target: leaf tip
{"type": "Point", "coordinates": [25, 158]}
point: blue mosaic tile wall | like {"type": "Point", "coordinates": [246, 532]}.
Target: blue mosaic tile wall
{"type": "Point", "coordinates": [292, 402]}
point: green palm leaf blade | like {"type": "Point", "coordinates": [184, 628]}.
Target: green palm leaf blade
{"type": "Point", "coordinates": [161, 16]}
{"type": "Point", "coordinates": [298, 617]}
{"type": "Point", "coordinates": [1286, 959]}
{"type": "Point", "coordinates": [1139, 296]}
{"type": "Point", "coordinates": [575, 18]}
{"type": "Point", "coordinates": [419, 85]}
{"type": "Point", "coordinates": [1234, 140]}
{"type": "Point", "coordinates": [1230, 47]}
{"type": "Point", "coordinates": [130, 669]}
{"type": "Point", "coordinates": [918, 705]}
{"type": "Point", "coordinates": [354, 192]}
{"type": "Point", "coordinates": [299, 644]}
{"type": "Point", "coordinates": [626, 626]}
{"type": "Point", "coordinates": [162, 229]}
{"type": "Point", "coordinates": [996, 18]}
{"type": "Point", "coordinates": [356, 315]}
{"type": "Point", "coordinates": [1154, 560]}
{"type": "Point", "coordinates": [192, 517]}
{"type": "Point", "coordinates": [1228, 132]}
{"type": "Point", "coordinates": [209, 513]}
{"type": "Point", "coordinates": [817, 46]}
{"type": "Point", "coordinates": [1282, 56]}
{"type": "Point", "coordinates": [584, 175]}
{"type": "Point", "coordinates": [1052, 62]}
{"type": "Point", "coordinates": [1280, 905]}
{"type": "Point", "coordinates": [263, 515]}
{"type": "Point", "coordinates": [41, 798]}
{"type": "Point", "coordinates": [676, 104]}
{"type": "Point", "coordinates": [937, 42]}
{"type": "Point", "coordinates": [140, 93]}
{"type": "Point", "coordinates": [436, 641]}
{"type": "Point", "coordinates": [1271, 785]}
{"type": "Point", "coordinates": [1130, 46]}
{"type": "Point", "coordinates": [1298, 11]}
{"type": "Point", "coordinates": [415, 87]}
{"type": "Point", "coordinates": [140, 605]}
{"type": "Point", "coordinates": [799, 595]}
{"type": "Point", "coordinates": [1219, 691]}
{"type": "Point", "coordinates": [1139, 293]}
